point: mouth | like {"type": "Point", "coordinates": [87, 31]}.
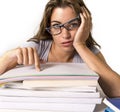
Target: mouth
{"type": "Point", "coordinates": [67, 43]}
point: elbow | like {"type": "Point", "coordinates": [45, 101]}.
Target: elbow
{"type": "Point", "coordinates": [112, 89]}
{"type": "Point", "coordinates": [114, 94]}
{"type": "Point", "coordinates": [1, 71]}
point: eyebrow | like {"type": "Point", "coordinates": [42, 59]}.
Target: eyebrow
{"type": "Point", "coordinates": [55, 21]}
{"type": "Point", "coordinates": [78, 17]}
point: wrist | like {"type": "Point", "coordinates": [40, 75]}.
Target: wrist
{"type": "Point", "coordinates": [81, 44]}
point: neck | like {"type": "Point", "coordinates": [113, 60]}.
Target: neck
{"type": "Point", "coordinates": [58, 55]}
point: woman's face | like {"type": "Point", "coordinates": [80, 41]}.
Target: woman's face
{"type": "Point", "coordinates": [63, 35]}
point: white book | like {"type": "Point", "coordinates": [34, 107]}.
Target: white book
{"type": "Point", "coordinates": [33, 93]}
{"type": "Point", "coordinates": [19, 85]}
{"type": "Point", "coordinates": [50, 100]}
{"type": "Point", "coordinates": [48, 106]}
{"type": "Point", "coordinates": [48, 69]}
{"type": "Point", "coordinates": [23, 110]}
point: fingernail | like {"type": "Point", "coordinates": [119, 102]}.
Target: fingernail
{"type": "Point", "coordinates": [38, 69]}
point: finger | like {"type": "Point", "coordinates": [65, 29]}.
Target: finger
{"type": "Point", "coordinates": [84, 27]}
{"type": "Point", "coordinates": [82, 20]}
{"type": "Point", "coordinates": [25, 56]}
{"type": "Point", "coordinates": [87, 15]}
{"type": "Point", "coordinates": [37, 60]}
{"type": "Point", "coordinates": [87, 18]}
{"type": "Point", "coordinates": [30, 56]}
{"type": "Point", "coordinates": [19, 56]}
{"type": "Point", "coordinates": [84, 13]}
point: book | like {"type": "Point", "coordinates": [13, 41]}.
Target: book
{"type": "Point", "coordinates": [23, 110]}
{"type": "Point", "coordinates": [68, 87]}
{"type": "Point", "coordinates": [60, 107]}
{"type": "Point", "coordinates": [42, 77]}
{"type": "Point", "coordinates": [108, 109]}
{"type": "Point", "coordinates": [113, 103]}
{"type": "Point", "coordinates": [48, 69]}
{"type": "Point", "coordinates": [59, 83]}
{"type": "Point", "coordinates": [47, 93]}
{"type": "Point", "coordinates": [19, 85]}
{"type": "Point", "coordinates": [51, 100]}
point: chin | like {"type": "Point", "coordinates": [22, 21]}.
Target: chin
{"type": "Point", "coordinates": [69, 49]}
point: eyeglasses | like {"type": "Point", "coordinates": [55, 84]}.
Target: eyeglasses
{"type": "Point", "coordinates": [70, 25]}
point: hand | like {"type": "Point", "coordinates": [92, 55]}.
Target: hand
{"type": "Point", "coordinates": [25, 56]}
{"type": "Point", "coordinates": [83, 31]}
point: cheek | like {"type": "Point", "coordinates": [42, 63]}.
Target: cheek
{"type": "Point", "coordinates": [73, 33]}
{"type": "Point", "coordinates": [56, 39]}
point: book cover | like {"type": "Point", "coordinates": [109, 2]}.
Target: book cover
{"type": "Point", "coordinates": [113, 103]}
{"type": "Point", "coordinates": [108, 109]}
{"type": "Point", "coordinates": [48, 69]}
{"type": "Point", "coordinates": [50, 77]}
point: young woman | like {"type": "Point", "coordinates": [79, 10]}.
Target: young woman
{"type": "Point", "coordinates": [65, 36]}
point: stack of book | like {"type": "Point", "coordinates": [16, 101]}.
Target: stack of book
{"type": "Point", "coordinates": [57, 87]}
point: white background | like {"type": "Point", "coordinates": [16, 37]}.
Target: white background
{"type": "Point", "coordinates": [19, 21]}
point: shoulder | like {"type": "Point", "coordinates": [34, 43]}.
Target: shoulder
{"type": "Point", "coordinates": [36, 44]}
{"type": "Point", "coordinates": [30, 44]}
{"type": "Point", "coordinates": [44, 46]}
{"type": "Point", "coordinates": [45, 42]}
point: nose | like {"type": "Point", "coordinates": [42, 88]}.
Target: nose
{"type": "Point", "coordinates": [65, 33]}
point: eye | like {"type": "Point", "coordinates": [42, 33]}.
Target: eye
{"type": "Point", "coordinates": [56, 26]}
{"type": "Point", "coordinates": [72, 26]}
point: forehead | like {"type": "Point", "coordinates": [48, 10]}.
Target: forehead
{"type": "Point", "coordinates": [62, 15]}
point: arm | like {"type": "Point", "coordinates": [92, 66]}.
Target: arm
{"type": "Point", "coordinates": [25, 56]}
{"type": "Point", "coordinates": [109, 80]}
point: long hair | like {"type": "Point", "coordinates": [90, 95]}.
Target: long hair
{"type": "Point", "coordinates": [42, 34]}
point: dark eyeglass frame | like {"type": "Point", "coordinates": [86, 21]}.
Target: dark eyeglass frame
{"type": "Point", "coordinates": [63, 25]}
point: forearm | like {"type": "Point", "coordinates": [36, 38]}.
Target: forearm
{"type": "Point", "coordinates": [91, 59]}
{"type": "Point", "coordinates": [109, 80]}
{"type": "Point", "coordinates": [6, 63]}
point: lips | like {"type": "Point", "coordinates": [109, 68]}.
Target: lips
{"type": "Point", "coordinates": [67, 43]}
